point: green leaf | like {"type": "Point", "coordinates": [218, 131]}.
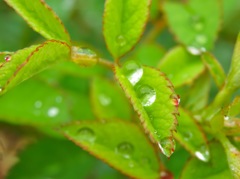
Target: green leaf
{"type": "Point", "coordinates": [198, 93]}
{"type": "Point", "coordinates": [26, 62]}
{"type": "Point", "coordinates": [152, 96]}
{"type": "Point", "coordinates": [216, 168]}
{"type": "Point", "coordinates": [120, 144]}
{"type": "Point", "coordinates": [233, 77]}
{"type": "Point", "coordinates": [180, 66]}
{"type": "Point", "coordinates": [215, 69]}
{"type": "Point", "coordinates": [191, 137]}
{"type": "Point", "coordinates": [149, 54]}
{"type": "Point", "coordinates": [233, 155]}
{"type": "Point", "coordinates": [46, 105]}
{"type": "Point", "coordinates": [193, 26]}
{"type": "Point", "coordinates": [41, 18]}
{"type": "Point", "coordinates": [108, 101]}
{"type": "Point", "coordinates": [123, 24]}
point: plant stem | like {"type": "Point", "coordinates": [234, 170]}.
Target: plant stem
{"type": "Point", "coordinates": [106, 63]}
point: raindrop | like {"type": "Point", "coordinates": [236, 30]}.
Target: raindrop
{"type": "Point", "coordinates": [197, 23]}
{"type": "Point", "coordinates": [125, 149]}
{"type": "Point", "coordinates": [196, 51]}
{"type": "Point", "coordinates": [86, 134]}
{"type": "Point", "coordinates": [53, 111]}
{"type": "Point", "coordinates": [38, 104]}
{"type": "Point", "coordinates": [226, 117]}
{"type": "Point", "coordinates": [167, 146]}
{"type": "Point", "coordinates": [121, 40]}
{"type": "Point", "coordinates": [133, 71]}
{"type": "Point", "coordinates": [82, 51]}
{"type": "Point", "coordinates": [146, 94]}
{"type": "Point", "coordinates": [7, 58]}
{"type": "Point", "coordinates": [201, 39]}
{"type": "Point", "coordinates": [203, 153]}
{"type": "Point", "coordinates": [104, 100]}
{"type": "Point", "coordinates": [187, 135]}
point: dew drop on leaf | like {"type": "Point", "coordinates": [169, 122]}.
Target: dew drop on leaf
{"type": "Point", "coordinates": [104, 100]}
{"type": "Point", "coordinates": [146, 94]}
{"type": "Point", "coordinates": [125, 149]}
{"type": "Point", "coordinates": [203, 153]}
{"type": "Point", "coordinates": [196, 51]}
{"type": "Point", "coordinates": [86, 134]}
{"type": "Point", "coordinates": [7, 58]}
{"type": "Point", "coordinates": [166, 146]}
{"type": "Point", "coordinates": [133, 71]}
{"type": "Point", "coordinates": [121, 40]}
{"type": "Point", "coordinates": [187, 135]}
{"type": "Point", "coordinates": [226, 118]}
{"type": "Point", "coordinates": [53, 111]}
{"type": "Point", "coordinates": [197, 23]}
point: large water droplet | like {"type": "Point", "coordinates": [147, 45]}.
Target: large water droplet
{"type": "Point", "coordinates": [203, 153]}
{"type": "Point", "coordinates": [197, 23]}
{"type": "Point", "coordinates": [81, 51]}
{"type": "Point", "coordinates": [53, 111]}
{"type": "Point", "coordinates": [146, 94]}
{"type": "Point", "coordinates": [125, 149]}
{"type": "Point", "coordinates": [167, 146]}
{"type": "Point", "coordinates": [104, 99]}
{"type": "Point", "coordinates": [86, 134]}
{"type": "Point", "coordinates": [121, 40]}
{"type": "Point", "coordinates": [201, 39]}
{"type": "Point", "coordinates": [196, 51]}
{"type": "Point", "coordinates": [133, 71]}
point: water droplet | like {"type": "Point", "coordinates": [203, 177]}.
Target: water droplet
{"type": "Point", "coordinates": [104, 100]}
{"type": "Point", "coordinates": [58, 99]}
{"type": "Point", "coordinates": [196, 51]}
{"type": "Point", "coordinates": [187, 135]}
{"type": "Point", "coordinates": [133, 71]}
{"type": "Point", "coordinates": [167, 146]}
{"type": "Point", "coordinates": [82, 51]}
{"type": "Point", "coordinates": [203, 153]}
{"type": "Point", "coordinates": [176, 99]}
{"type": "Point", "coordinates": [7, 58]}
{"type": "Point", "coordinates": [201, 39]}
{"type": "Point", "coordinates": [121, 40]}
{"type": "Point", "coordinates": [226, 117]}
{"type": "Point", "coordinates": [197, 23]}
{"type": "Point", "coordinates": [125, 149]}
{"type": "Point", "coordinates": [146, 94]}
{"type": "Point", "coordinates": [53, 111]}
{"type": "Point", "coordinates": [86, 134]}
{"type": "Point", "coordinates": [38, 104]}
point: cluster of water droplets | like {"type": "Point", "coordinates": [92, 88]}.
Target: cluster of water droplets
{"type": "Point", "coordinates": [198, 44]}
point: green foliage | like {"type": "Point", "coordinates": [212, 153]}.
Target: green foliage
{"type": "Point", "coordinates": [124, 110]}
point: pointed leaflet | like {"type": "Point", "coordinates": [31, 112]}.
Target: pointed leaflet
{"type": "Point", "coordinates": [108, 101]}
{"type": "Point", "coordinates": [216, 168]}
{"type": "Point", "coordinates": [180, 66]}
{"type": "Point", "coordinates": [191, 137]}
{"type": "Point", "coordinates": [123, 24]}
{"type": "Point", "coordinates": [214, 68]}
{"type": "Point", "coordinates": [233, 155]}
{"type": "Point", "coordinates": [41, 18]}
{"type": "Point", "coordinates": [233, 78]}
{"type": "Point", "coordinates": [27, 62]}
{"type": "Point", "coordinates": [152, 96]}
{"type": "Point", "coordinates": [120, 144]}
{"type": "Point", "coordinates": [192, 25]}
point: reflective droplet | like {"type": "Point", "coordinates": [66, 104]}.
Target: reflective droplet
{"type": "Point", "coordinates": [226, 117]}
{"type": "Point", "coordinates": [133, 71]}
{"type": "Point", "coordinates": [53, 111]}
{"type": "Point", "coordinates": [197, 23]}
{"type": "Point", "coordinates": [187, 135]}
{"type": "Point", "coordinates": [0, 90]}
{"type": "Point", "coordinates": [7, 58]}
{"type": "Point", "coordinates": [176, 99]}
{"type": "Point", "coordinates": [146, 94]}
{"type": "Point", "coordinates": [38, 104]}
{"type": "Point", "coordinates": [121, 40]}
{"type": "Point", "coordinates": [82, 51]}
{"type": "Point", "coordinates": [104, 99]}
{"type": "Point", "coordinates": [203, 153]}
{"type": "Point", "coordinates": [86, 134]}
{"type": "Point", "coordinates": [167, 146]}
{"type": "Point", "coordinates": [125, 149]}
{"type": "Point", "coordinates": [196, 51]}
{"type": "Point", "coordinates": [201, 39]}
